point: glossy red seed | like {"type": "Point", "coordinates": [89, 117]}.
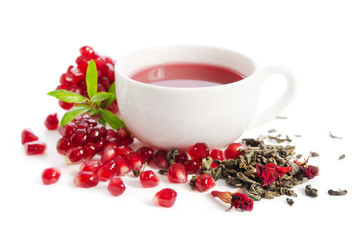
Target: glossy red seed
{"type": "Point", "coordinates": [82, 63]}
{"type": "Point", "coordinates": [50, 175]}
{"type": "Point", "coordinates": [116, 186]}
{"type": "Point", "coordinates": [108, 71]}
{"type": "Point", "coordinates": [177, 173]}
{"type": "Point", "coordinates": [77, 73]}
{"type": "Point", "coordinates": [27, 135]}
{"type": "Point", "coordinates": [87, 52]}
{"type": "Point", "coordinates": [111, 134]}
{"type": "Point", "coordinates": [90, 150]}
{"type": "Point", "coordinates": [67, 79]}
{"type": "Point", "coordinates": [86, 179]}
{"type": "Point", "coordinates": [231, 152]}
{"type": "Point", "coordinates": [106, 83]}
{"type": "Point", "coordinates": [146, 154]}
{"type": "Point", "coordinates": [94, 134]}
{"type": "Point", "coordinates": [134, 160]}
{"type": "Point", "coordinates": [181, 158]}
{"type": "Point", "coordinates": [192, 166]}
{"type": "Point", "coordinates": [124, 136]}
{"type": "Point", "coordinates": [113, 142]}
{"type": "Point", "coordinates": [160, 159]}
{"type": "Point", "coordinates": [204, 182]}
{"type": "Point", "coordinates": [52, 122]}
{"type": "Point", "coordinates": [75, 154]}
{"type": "Point", "coordinates": [100, 61]}
{"type": "Point", "coordinates": [107, 171]}
{"type": "Point", "coordinates": [108, 154]}
{"type": "Point", "coordinates": [123, 150]}
{"type": "Point", "coordinates": [65, 105]}
{"type": "Point", "coordinates": [35, 147]}
{"type": "Point", "coordinates": [68, 129]}
{"type": "Point", "coordinates": [63, 145]}
{"type": "Point", "coordinates": [79, 137]}
{"type": "Point", "coordinates": [216, 154]}
{"type": "Point", "coordinates": [123, 167]}
{"type": "Point", "coordinates": [165, 198]}
{"type": "Point", "coordinates": [90, 166]}
{"type": "Point", "coordinates": [149, 179]}
{"type": "Point", "coordinates": [199, 151]}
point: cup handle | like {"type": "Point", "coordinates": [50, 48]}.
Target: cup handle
{"type": "Point", "coordinates": [285, 99]}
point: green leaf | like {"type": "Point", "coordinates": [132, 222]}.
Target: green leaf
{"type": "Point", "coordinates": [68, 96]}
{"type": "Point", "coordinates": [112, 89]}
{"type": "Point", "coordinates": [94, 111]}
{"type": "Point", "coordinates": [101, 121]}
{"type": "Point", "coordinates": [101, 96]}
{"type": "Point", "coordinates": [73, 113]}
{"type": "Point", "coordinates": [112, 119]}
{"type": "Point", "coordinates": [91, 78]}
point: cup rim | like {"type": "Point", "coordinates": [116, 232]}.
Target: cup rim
{"type": "Point", "coordinates": [122, 60]}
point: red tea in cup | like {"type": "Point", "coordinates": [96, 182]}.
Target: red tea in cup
{"type": "Point", "coordinates": [187, 75]}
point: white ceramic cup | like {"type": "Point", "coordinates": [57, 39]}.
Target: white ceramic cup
{"type": "Point", "coordinates": [174, 117]}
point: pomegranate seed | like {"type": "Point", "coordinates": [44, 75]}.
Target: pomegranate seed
{"type": "Point", "coordinates": [177, 173]}
{"type": "Point", "coordinates": [82, 63]}
{"type": "Point", "coordinates": [231, 152]}
{"type": "Point", "coordinates": [35, 147]}
{"type": "Point", "coordinates": [27, 135]}
{"type": "Point", "coordinates": [149, 179]}
{"type": "Point", "coordinates": [63, 145]}
{"type": "Point", "coordinates": [192, 166]}
{"type": "Point", "coordinates": [160, 159]}
{"type": "Point", "coordinates": [113, 143]}
{"type": "Point", "coordinates": [94, 134]}
{"type": "Point", "coordinates": [216, 154]}
{"type": "Point", "coordinates": [76, 72]}
{"type": "Point", "coordinates": [100, 62]}
{"type": "Point", "coordinates": [87, 52]}
{"type": "Point", "coordinates": [111, 134]}
{"type": "Point", "coordinates": [123, 166]}
{"type": "Point", "coordinates": [79, 137]}
{"type": "Point", "coordinates": [204, 182]}
{"type": "Point", "coordinates": [134, 160]}
{"type": "Point", "coordinates": [108, 155]}
{"type": "Point", "coordinates": [181, 158]}
{"type": "Point", "coordinates": [67, 79]}
{"type": "Point", "coordinates": [165, 198]}
{"type": "Point", "coordinates": [107, 171]}
{"type": "Point", "coordinates": [90, 166]}
{"type": "Point", "coordinates": [199, 151]}
{"type": "Point", "coordinates": [105, 82]}
{"type": "Point", "coordinates": [50, 175]}
{"type": "Point", "coordinates": [75, 154]}
{"type": "Point", "coordinates": [146, 154]}
{"type": "Point", "coordinates": [93, 123]}
{"type": "Point", "coordinates": [100, 145]}
{"type": "Point", "coordinates": [124, 136]}
{"type": "Point", "coordinates": [90, 150]}
{"type": "Point", "coordinates": [68, 129]}
{"type": "Point", "coordinates": [52, 122]}
{"type": "Point", "coordinates": [65, 105]}
{"type": "Point", "coordinates": [116, 186]}
{"type": "Point", "coordinates": [86, 179]}
{"type": "Point", "coordinates": [108, 71]}
{"type": "Point", "coordinates": [123, 150]}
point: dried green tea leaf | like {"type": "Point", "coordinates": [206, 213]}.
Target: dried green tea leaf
{"type": "Point", "coordinates": [333, 136]}
{"type": "Point", "coordinates": [341, 157]}
{"type": "Point", "coordinates": [337, 193]}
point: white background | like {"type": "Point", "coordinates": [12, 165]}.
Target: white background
{"type": "Point", "coordinates": [319, 40]}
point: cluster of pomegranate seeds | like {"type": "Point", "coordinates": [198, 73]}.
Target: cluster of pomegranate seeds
{"type": "Point", "coordinates": [165, 198]}
{"type": "Point", "coordinates": [50, 175]}
{"type": "Point", "coordinates": [74, 78]}
{"type": "Point", "coordinates": [31, 143]}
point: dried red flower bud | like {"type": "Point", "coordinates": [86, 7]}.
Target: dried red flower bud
{"type": "Point", "coordinates": [237, 199]}
{"type": "Point", "coordinates": [271, 172]}
{"type": "Point", "coordinates": [308, 171]}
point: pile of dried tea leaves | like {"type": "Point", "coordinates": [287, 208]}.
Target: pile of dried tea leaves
{"type": "Point", "coordinates": [262, 170]}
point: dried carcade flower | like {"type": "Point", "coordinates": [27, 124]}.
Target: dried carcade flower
{"type": "Point", "coordinates": [238, 200]}
{"type": "Point", "coordinates": [308, 171]}
{"type": "Point", "coordinates": [311, 192]}
{"type": "Point", "coordinates": [271, 172]}
{"type": "Point", "coordinates": [337, 193]}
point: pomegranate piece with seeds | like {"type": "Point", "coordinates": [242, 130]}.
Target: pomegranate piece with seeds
{"type": "Point", "coordinates": [50, 175]}
{"type": "Point", "coordinates": [165, 198]}
{"type": "Point", "coordinates": [27, 135]}
{"type": "Point", "coordinates": [35, 147]}
{"type": "Point", "coordinates": [231, 152]}
{"type": "Point", "coordinates": [177, 173]}
{"type": "Point", "coordinates": [86, 179]}
{"type": "Point", "coordinates": [199, 151]}
{"type": "Point", "coordinates": [149, 179]}
{"type": "Point", "coordinates": [204, 182]}
{"type": "Point", "coordinates": [116, 186]}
